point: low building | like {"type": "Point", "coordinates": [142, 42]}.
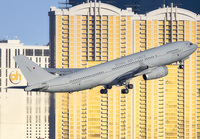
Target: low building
{"type": "Point", "coordinates": [23, 115]}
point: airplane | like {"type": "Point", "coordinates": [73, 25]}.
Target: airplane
{"type": "Point", "coordinates": [151, 64]}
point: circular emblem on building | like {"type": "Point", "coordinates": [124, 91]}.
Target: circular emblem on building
{"type": "Point", "coordinates": [15, 77]}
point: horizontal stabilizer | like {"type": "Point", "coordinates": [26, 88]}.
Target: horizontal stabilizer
{"type": "Point", "coordinates": [42, 87]}
{"type": "Point", "coordinates": [16, 87]}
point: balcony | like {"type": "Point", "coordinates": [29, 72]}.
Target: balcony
{"type": "Point", "coordinates": [65, 18]}
{"type": "Point", "coordinates": [123, 20]}
{"type": "Point", "coordinates": [102, 104]}
{"type": "Point", "coordinates": [65, 32]}
{"type": "Point", "coordinates": [143, 111]}
{"type": "Point", "coordinates": [65, 59]}
{"type": "Point", "coordinates": [65, 23]}
{"type": "Point", "coordinates": [65, 28]}
{"type": "Point", "coordinates": [65, 55]}
{"type": "Point", "coordinates": [123, 29]}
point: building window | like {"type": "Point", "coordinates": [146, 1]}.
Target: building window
{"type": "Point", "coordinates": [6, 58]}
{"type": "Point", "coordinates": [15, 55]}
{"type": "Point", "coordinates": [29, 52]}
{"type": "Point", "coordinates": [38, 52]}
{"type": "Point", "coordinates": [46, 52]}
{"type": "Point", "coordinates": [0, 58]}
{"type": "Point", "coordinates": [9, 57]}
{"type": "Point", "coordinates": [15, 52]}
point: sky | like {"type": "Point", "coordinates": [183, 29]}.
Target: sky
{"type": "Point", "coordinates": [26, 20]}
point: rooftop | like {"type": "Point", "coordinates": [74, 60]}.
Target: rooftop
{"type": "Point", "coordinates": [10, 41]}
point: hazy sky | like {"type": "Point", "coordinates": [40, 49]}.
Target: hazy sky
{"type": "Point", "coordinates": [26, 19]}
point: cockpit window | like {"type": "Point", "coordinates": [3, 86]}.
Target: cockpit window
{"type": "Point", "coordinates": [191, 43]}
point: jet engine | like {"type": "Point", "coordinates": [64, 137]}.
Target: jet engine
{"type": "Point", "coordinates": [156, 73]}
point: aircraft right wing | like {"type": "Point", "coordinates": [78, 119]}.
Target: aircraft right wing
{"type": "Point", "coordinates": [63, 70]}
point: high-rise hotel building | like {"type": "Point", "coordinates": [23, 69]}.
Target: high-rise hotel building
{"type": "Point", "coordinates": [23, 115]}
{"type": "Point", "coordinates": [95, 32]}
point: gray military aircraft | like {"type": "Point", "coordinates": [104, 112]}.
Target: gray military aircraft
{"type": "Point", "coordinates": [150, 63]}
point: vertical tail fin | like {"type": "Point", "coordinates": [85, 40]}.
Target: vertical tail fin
{"type": "Point", "coordinates": [31, 71]}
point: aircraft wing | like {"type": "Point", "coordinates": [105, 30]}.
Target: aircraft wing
{"type": "Point", "coordinates": [62, 70]}
{"type": "Point", "coordinates": [133, 73]}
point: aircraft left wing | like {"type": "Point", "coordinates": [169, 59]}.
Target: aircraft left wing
{"type": "Point", "coordinates": [63, 70]}
{"type": "Point", "coordinates": [133, 73]}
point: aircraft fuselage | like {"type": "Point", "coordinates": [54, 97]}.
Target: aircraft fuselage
{"type": "Point", "coordinates": [107, 73]}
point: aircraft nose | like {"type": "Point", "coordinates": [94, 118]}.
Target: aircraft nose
{"type": "Point", "coordinates": [195, 46]}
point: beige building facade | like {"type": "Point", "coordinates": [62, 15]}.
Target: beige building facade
{"type": "Point", "coordinates": [23, 115]}
{"type": "Point", "coordinates": [95, 32]}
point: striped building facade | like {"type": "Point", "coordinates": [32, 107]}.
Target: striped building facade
{"type": "Point", "coordinates": [95, 32]}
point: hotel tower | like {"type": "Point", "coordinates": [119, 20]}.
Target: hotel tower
{"type": "Point", "coordinates": [93, 33]}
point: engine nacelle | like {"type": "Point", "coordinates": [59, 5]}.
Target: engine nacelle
{"type": "Point", "coordinates": [156, 73]}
